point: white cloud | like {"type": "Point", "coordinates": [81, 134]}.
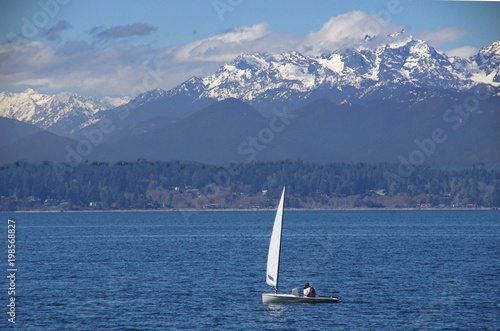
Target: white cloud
{"type": "Point", "coordinates": [75, 65]}
{"type": "Point", "coordinates": [129, 70]}
{"type": "Point", "coordinates": [225, 47]}
{"type": "Point", "coordinates": [338, 31]}
{"type": "Point", "coordinates": [123, 69]}
{"type": "Point", "coordinates": [347, 29]}
{"type": "Point", "coordinates": [463, 52]}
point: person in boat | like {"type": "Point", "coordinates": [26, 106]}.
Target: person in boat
{"type": "Point", "coordinates": [309, 291]}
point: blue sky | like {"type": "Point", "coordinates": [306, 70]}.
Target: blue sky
{"type": "Point", "coordinates": [124, 47]}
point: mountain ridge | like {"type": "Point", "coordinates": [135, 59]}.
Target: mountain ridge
{"type": "Point", "coordinates": [264, 80]}
{"type": "Point", "coordinates": [367, 103]}
{"type": "Point", "coordinates": [12, 130]}
{"type": "Point", "coordinates": [38, 147]}
{"type": "Point", "coordinates": [403, 63]}
{"type": "Point", "coordinates": [63, 113]}
{"type": "Point", "coordinates": [320, 131]}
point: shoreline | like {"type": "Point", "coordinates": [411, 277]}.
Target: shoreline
{"type": "Point", "coordinates": [236, 210]}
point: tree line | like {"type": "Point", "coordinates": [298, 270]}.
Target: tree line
{"type": "Point", "coordinates": [179, 185]}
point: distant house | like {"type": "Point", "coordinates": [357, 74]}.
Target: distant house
{"type": "Point", "coordinates": [96, 205]}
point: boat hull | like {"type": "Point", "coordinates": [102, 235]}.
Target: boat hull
{"type": "Point", "coordinates": [290, 298]}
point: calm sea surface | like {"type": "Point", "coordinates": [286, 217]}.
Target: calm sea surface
{"type": "Point", "coordinates": [206, 270]}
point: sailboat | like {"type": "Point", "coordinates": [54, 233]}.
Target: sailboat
{"type": "Point", "coordinates": [273, 266]}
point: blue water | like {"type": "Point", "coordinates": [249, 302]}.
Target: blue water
{"type": "Point", "coordinates": [206, 270]}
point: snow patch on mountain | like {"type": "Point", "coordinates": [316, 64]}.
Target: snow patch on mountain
{"type": "Point", "coordinates": [60, 113]}
{"type": "Point", "coordinates": [334, 63]}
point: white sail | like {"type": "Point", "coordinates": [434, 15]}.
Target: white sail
{"type": "Point", "coordinates": [273, 256]}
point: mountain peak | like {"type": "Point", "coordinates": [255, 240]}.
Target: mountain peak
{"type": "Point", "coordinates": [30, 91]}
{"type": "Point", "coordinates": [401, 39]}
{"type": "Point", "coordinates": [485, 65]}
{"type": "Point", "coordinates": [393, 40]}
{"type": "Point", "coordinates": [494, 46]}
{"type": "Point", "coordinates": [491, 50]}
{"type": "Point", "coordinates": [152, 94]}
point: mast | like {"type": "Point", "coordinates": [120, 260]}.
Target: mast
{"type": "Point", "coordinates": [282, 206]}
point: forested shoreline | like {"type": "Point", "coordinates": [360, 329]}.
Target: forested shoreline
{"type": "Point", "coordinates": [181, 185]}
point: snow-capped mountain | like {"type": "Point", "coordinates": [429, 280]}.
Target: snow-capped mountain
{"type": "Point", "coordinates": [62, 113]}
{"type": "Point", "coordinates": [379, 68]}
{"type": "Point", "coordinates": [485, 66]}
{"type": "Point", "coordinates": [400, 62]}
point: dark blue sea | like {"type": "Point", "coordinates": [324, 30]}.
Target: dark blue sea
{"type": "Point", "coordinates": [392, 270]}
